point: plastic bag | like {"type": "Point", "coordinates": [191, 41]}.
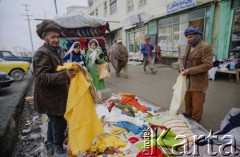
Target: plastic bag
{"type": "Point", "coordinates": [103, 71]}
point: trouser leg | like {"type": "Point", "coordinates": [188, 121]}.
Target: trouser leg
{"type": "Point", "coordinates": [145, 62]}
{"type": "Point", "coordinates": [198, 99]}
{"type": "Point", "coordinates": [59, 125]}
{"type": "Point", "coordinates": [188, 103]}
{"type": "Point", "coordinates": [49, 132]}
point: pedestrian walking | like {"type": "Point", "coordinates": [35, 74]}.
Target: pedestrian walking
{"type": "Point", "coordinates": [113, 50]}
{"type": "Point", "coordinates": [158, 54]}
{"type": "Point", "coordinates": [122, 58]}
{"type": "Point", "coordinates": [51, 87]}
{"type": "Point", "coordinates": [195, 64]}
{"type": "Point", "coordinates": [94, 57]}
{"type": "Point", "coordinates": [147, 49]}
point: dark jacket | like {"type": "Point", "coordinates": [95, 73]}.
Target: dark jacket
{"type": "Point", "coordinates": [200, 61]}
{"type": "Point", "coordinates": [51, 87]}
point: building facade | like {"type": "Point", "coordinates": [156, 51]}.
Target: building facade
{"type": "Point", "coordinates": [165, 21]}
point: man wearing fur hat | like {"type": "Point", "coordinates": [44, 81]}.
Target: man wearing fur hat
{"type": "Point", "coordinates": [51, 87]}
{"type": "Point", "coordinates": [195, 64]}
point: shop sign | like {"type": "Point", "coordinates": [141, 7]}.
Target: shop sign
{"type": "Point", "coordinates": [177, 5]}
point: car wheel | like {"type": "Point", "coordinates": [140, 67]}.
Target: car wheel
{"type": "Point", "coordinates": [17, 74]}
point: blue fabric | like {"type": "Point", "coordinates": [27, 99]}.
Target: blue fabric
{"type": "Point", "coordinates": [233, 123]}
{"type": "Point", "coordinates": [232, 66]}
{"type": "Point", "coordinates": [144, 49]}
{"type": "Point", "coordinates": [131, 127]}
{"type": "Point", "coordinates": [75, 57]}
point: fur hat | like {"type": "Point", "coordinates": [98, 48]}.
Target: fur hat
{"type": "Point", "coordinates": [47, 26]}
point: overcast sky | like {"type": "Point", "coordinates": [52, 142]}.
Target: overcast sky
{"type": "Point", "coordinates": [14, 28]}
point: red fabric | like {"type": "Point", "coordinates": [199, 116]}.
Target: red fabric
{"type": "Point", "coordinates": [83, 43]}
{"type": "Point", "coordinates": [151, 152]}
{"type": "Point", "coordinates": [133, 102]}
{"type": "Point", "coordinates": [133, 140]}
{"type": "Point", "coordinates": [110, 106]}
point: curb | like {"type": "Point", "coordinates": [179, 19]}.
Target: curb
{"type": "Point", "coordinates": [9, 137]}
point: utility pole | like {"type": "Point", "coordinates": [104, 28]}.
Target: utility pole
{"type": "Point", "coordinates": [29, 27]}
{"type": "Point", "coordinates": [55, 2]}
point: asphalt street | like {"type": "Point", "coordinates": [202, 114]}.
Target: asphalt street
{"type": "Point", "coordinates": [11, 104]}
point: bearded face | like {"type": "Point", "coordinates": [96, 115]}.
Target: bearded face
{"type": "Point", "coordinates": [52, 39]}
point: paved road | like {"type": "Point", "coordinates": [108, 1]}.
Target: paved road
{"type": "Point", "coordinates": [11, 104]}
{"type": "Point", "coordinates": [9, 98]}
{"type": "Point", "coordinates": [222, 95]}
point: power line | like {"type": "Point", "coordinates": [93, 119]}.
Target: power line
{"type": "Point", "coordinates": [29, 26]}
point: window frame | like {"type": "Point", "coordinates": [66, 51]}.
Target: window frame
{"type": "Point", "coordinates": [113, 6]}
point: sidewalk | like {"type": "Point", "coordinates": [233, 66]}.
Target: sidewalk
{"type": "Point", "coordinates": [222, 95]}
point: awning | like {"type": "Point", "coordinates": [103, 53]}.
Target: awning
{"type": "Point", "coordinates": [77, 21]}
{"type": "Point", "coordinates": [135, 20]}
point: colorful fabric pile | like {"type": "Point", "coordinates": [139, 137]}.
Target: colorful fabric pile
{"type": "Point", "coordinates": [140, 128]}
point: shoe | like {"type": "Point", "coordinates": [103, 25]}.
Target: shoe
{"type": "Point", "coordinates": [117, 75]}
{"type": "Point", "coordinates": [49, 147]}
{"type": "Point", "coordinates": [145, 70]}
{"type": "Point", "coordinates": [153, 72]}
{"type": "Point", "coordinates": [187, 115]}
{"type": "Point", "coordinates": [60, 152]}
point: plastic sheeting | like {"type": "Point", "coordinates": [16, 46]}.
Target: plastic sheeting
{"type": "Point", "coordinates": [76, 21]}
{"type": "Point", "coordinates": [178, 94]}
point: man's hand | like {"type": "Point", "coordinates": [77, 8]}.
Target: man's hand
{"type": "Point", "coordinates": [72, 72]}
{"type": "Point", "coordinates": [185, 72]}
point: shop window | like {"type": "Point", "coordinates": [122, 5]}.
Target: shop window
{"type": "Point", "coordinates": [166, 21]}
{"type": "Point", "coordinates": [235, 36]}
{"type": "Point", "coordinates": [136, 39]}
{"type": "Point", "coordinates": [142, 3]}
{"type": "Point", "coordinates": [176, 19]}
{"type": "Point", "coordinates": [130, 5]}
{"type": "Point", "coordinates": [196, 14]}
{"type": "Point", "coordinates": [113, 6]}
{"type": "Point", "coordinates": [235, 3]}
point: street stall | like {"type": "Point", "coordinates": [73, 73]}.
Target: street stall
{"type": "Point", "coordinates": [82, 28]}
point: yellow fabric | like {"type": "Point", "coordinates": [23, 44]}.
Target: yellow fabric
{"type": "Point", "coordinates": [81, 115]}
{"type": "Point", "coordinates": [107, 141]}
{"type": "Point", "coordinates": [116, 130]}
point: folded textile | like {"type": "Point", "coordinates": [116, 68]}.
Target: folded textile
{"type": "Point", "coordinates": [127, 109]}
{"type": "Point", "coordinates": [104, 141]}
{"type": "Point", "coordinates": [133, 102]}
{"type": "Point", "coordinates": [116, 130]}
{"type": "Point", "coordinates": [131, 127]}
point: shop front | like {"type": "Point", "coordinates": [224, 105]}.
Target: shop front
{"type": "Point", "coordinates": [171, 29]}
{"type": "Point", "coordinates": [136, 29]}
{"type": "Point", "coordinates": [234, 46]}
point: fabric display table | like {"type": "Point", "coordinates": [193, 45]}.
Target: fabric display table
{"type": "Point", "coordinates": [231, 67]}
